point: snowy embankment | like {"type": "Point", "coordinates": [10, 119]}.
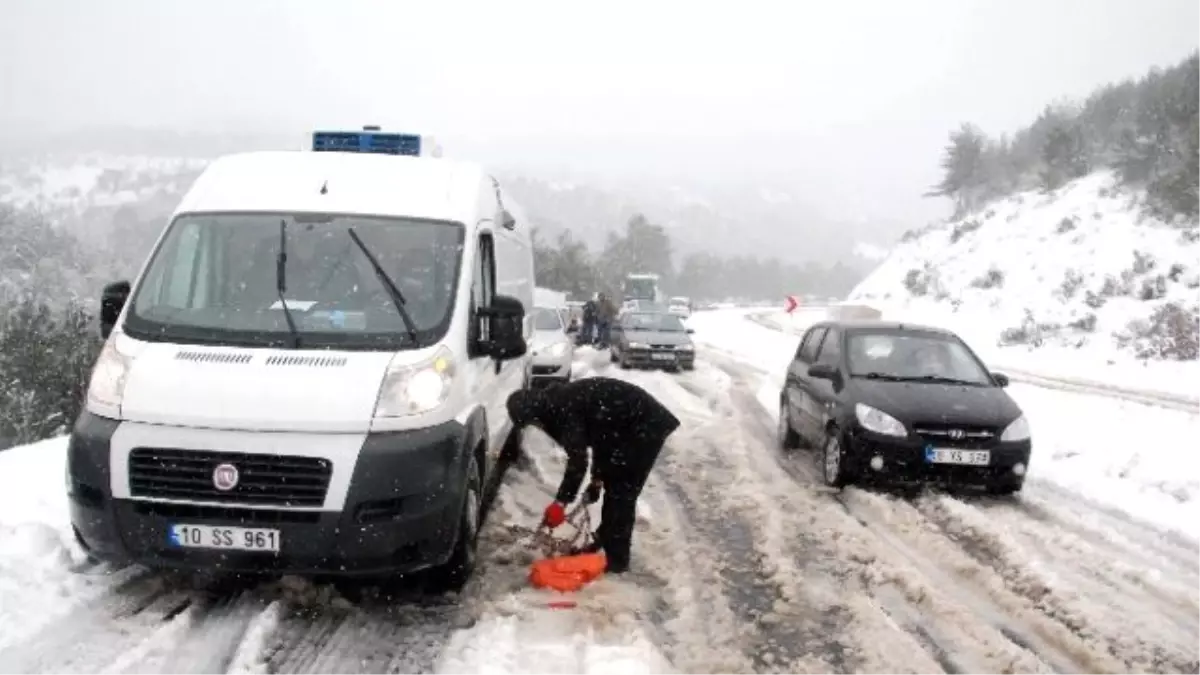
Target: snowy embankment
{"type": "Point", "coordinates": [1131, 456]}
{"type": "Point", "coordinates": [1074, 283]}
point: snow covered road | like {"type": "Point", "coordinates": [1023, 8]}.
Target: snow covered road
{"type": "Point", "coordinates": [742, 563]}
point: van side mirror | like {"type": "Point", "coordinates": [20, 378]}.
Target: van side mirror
{"type": "Point", "coordinates": [1000, 379]}
{"type": "Point", "coordinates": [506, 320]}
{"type": "Point", "coordinates": [823, 371]}
{"type": "Point", "coordinates": [112, 301]}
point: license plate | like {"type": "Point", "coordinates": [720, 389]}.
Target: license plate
{"type": "Point", "coordinates": [950, 456]}
{"type": "Point", "coordinates": [663, 357]}
{"type": "Point", "coordinates": [223, 538]}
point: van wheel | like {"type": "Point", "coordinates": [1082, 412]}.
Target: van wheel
{"type": "Point", "coordinates": [457, 571]}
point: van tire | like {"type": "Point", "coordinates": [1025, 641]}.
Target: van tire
{"type": "Point", "coordinates": [457, 571]}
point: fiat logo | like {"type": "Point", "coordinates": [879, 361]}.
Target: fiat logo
{"type": "Point", "coordinates": [956, 434]}
{"type": "Point", "coordinates": [225, 477]}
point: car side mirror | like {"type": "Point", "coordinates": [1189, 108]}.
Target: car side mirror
{"type": "Point", "coordinates": [112, 301]}
{"type": "Point", "coordinates": [506, 320]}
{"type": "Point", "coordinates": [506, 220]}
{"type": "Point", "coordinates": [1000, 379]}
{"type": "Point", "coordinates": [691, 330]}
{"type": "Point", "coordinates": [823, 371]}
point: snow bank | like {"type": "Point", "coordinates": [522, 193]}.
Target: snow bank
{"type": "Point", "coordinates": [1054, 281]}
{"type": "Point", "coordinates": [37, 548]}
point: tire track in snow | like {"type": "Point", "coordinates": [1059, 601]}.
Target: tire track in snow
{"type": "Point", "coordinates": [888, 560]}
{"type": "Point", "coordinates": [1072, 597]}
{"type": "Point", "coordinates": [94, 636]}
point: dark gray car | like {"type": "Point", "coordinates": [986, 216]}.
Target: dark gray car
{"type": "Point", "coordinates": [652, 340]}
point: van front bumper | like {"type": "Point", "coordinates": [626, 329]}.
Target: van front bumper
{"type": "Point", "coordinates": [393, 522]}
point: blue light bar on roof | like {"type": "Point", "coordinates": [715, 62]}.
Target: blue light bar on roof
{"type": "Point", "coordinates": [367, 141]}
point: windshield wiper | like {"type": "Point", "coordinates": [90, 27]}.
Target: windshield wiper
{"type": "Point", "coordinates": [281, 283]}
{"type": "Point", "coordinates": [873, 375]}
{"type": "Point", "coordinates": [941, 379]}
{"type": "Point", "coordinates": [915, 378]}
{"type": "Point", "coordinates": [393, 292]}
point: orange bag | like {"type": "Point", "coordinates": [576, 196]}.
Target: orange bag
{"type": "Point", "coordinates": [567, 573]}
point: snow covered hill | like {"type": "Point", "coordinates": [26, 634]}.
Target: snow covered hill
{"type": "Point", "coordinates": [1077, 274]}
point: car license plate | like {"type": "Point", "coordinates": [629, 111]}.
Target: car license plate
{"type": "Point", "coordinates": [951, 456]}
{"type": "Point", "coordinates": [663, 357]}
{"type": "Point", "coordinates": [223, 538]}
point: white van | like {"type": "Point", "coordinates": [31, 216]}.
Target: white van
{"type": "Point", "coordinates": [309, 374]}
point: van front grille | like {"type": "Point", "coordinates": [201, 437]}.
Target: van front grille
{"type": "Point", "coordinates": [274, 480]}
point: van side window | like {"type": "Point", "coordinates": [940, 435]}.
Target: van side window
{"type": "Point", "coordinates": [831, 348]}
{"type": "Point", "coordinates": [808, 348]}
{"type": "Point", "coordinates": [483, 287]}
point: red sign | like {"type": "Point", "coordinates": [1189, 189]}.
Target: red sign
{"type": "Point", "coordinates": [792, 304]}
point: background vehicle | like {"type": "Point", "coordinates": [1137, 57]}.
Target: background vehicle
{"type": "Point", "coordinates": [553, 349]}
{"type": "Point", "coordinates": [902, 402]}
{"type": "Point", "coordinates": [680, 306]}
{"type": "Point", "coordinates": [284, 383]}
{"type": "Point", "coordinates": [652, 340]}
{"type": "Point", "coordinates": [641, 287]}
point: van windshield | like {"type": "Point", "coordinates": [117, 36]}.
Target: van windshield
{"type": "Point", "coordinates": [213, 281]}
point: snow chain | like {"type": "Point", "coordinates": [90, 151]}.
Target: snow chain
{"type": "Point", "coordinates": [552, 547]}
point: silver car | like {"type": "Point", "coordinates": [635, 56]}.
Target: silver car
{"type": "Point", "coordinates": [553, 350]}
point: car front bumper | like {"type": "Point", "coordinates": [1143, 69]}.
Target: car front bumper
{"type": "Point", "coordinates": [904, 460]}
{"type": "Point", "coordinates": [549, 368]}
{"type": "Point", "coordinates": [659, 358]}
{"type": "Point", "coordinates": [400, 515]}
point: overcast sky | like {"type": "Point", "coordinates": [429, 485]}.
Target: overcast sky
{"type": "Point", "coordinates": [847, 103]}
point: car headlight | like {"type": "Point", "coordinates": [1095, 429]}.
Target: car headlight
{"type": "Point", "coordinates": [413, 389]}
{"type": "Point", "coordinates": [557, 349]}
{"type": "Point", "coordinates": [1017, 431]}
{"type": "Point", "coordinates": [638, 345]}
{"type": "Point", "coordinates": [874, 419]}
{"type": "Point", "coordinates": [685, 348]}
{"type": "Point", "coordinates": [106, 389]}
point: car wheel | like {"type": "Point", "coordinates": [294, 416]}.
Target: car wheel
{"type": "Point", "coordinates": [453, 575]}
{"type": "Point", "coordinates": [788, 438]}
{"type": "Point", "coordinates": [834, 471]}
{"type": "Point", "coordinates": [612, 355]}
{"type": "Point", "coordinates": [690, 365]}
{"type": "Point", "coordinates": [623, 362]}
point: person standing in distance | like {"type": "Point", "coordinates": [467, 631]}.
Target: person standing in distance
{"type": "Point", "coordinates": [624, 426]}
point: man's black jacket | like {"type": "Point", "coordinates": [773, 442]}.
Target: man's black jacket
{"type": "Point", "coordinates": [623, 425]}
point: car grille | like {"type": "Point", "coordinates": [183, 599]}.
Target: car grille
{"type": "Point", "coordinates": [956, 435]}
{"type": "Point", "coordinates": [274, 480]}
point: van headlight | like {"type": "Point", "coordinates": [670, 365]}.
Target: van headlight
{"type": "Point", "coordinates": [106, 389]}
{"type": "Point", "coordinates": [1017, 431]}
{"type": "Point", "coordinates": [874, 419]}
{"type": "Point", "coordinates": [413, 389]}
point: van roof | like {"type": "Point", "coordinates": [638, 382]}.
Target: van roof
{"type": "Point", "coordinates": [369, 184]}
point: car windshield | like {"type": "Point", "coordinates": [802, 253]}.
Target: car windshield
{"type": "Point", "coordinates": [640, 288]}
{"type": "Point", "coordinates": [662, 323]}
{"type": "Point", "coordinates": [913, 356]}
{"type": "Point", "coordinates": [213, 280]}
{"type": "Point", "coordinates": [546, 319]}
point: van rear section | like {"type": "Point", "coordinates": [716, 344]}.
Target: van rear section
{"type": "Point", "coordinates": [309, 373]}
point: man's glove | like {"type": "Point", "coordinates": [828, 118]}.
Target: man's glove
{"type": "Point", "coordinates": [554, 516]}
{"type": "Point", "coordinates": [592, 495]}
